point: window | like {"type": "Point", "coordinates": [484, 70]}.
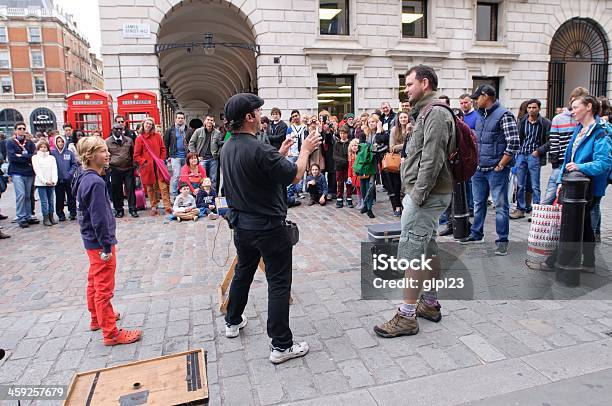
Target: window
{"type": "Point", "coordinates": [402, 86]}
{"type": "Point", "coordinates": [34, 34]}
{"type": "Point", "coordinates": [37, 59]}
{"type": "Point", "coordinates": [7, 84]}
{"type": "Point", "coordinates": [335, 94]}
{"type": "Point", "coordinates": [39, 84]}
{"type": "Point", "coordinates": [89, 122]}
{"type": "Point", "coordinates": [486, 21]}
{"type": "Point", "coordinates": [484, 80]}
{"type": "Point", "coordinates": [334, 17]}
{"type": "Point", "coordinates": [3, 36]}
{"type": "Point", "coordinates": [5, 59]}
{"type": "Point", "coordinates": [414, 19]}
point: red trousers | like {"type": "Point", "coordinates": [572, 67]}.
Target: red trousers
{"type": "Point", "coordinates": [100, 291]}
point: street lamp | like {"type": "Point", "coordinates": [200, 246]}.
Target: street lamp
{"type": "Point", "coordinates": [208, 45]}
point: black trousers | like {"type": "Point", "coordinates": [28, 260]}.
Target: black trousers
{"type": "Point", "coordinates": [118, 179]}
{"type": "Point", "coordinates": [274, 246]}
{"type": "Point", "coordinates": [393, 183]}
{"type": "Point", "coordinates": [63, 190]}
{"type": "Point", "coordinates": [588, 242]}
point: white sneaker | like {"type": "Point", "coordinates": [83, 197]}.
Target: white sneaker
{"type": "Point", "coordinates": [234, 331]}
{"type": "Point", "coordinates": [297, 350]}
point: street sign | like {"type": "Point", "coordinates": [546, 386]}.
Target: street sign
{"type": "Point", "coordinates": [136, 30]}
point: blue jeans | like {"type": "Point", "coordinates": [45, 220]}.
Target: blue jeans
{"type": "Point", "coordinates": [497, 183]}
{"type": "Point", "coordinates": [210, 166]}
{"type": "Point", "coordinates": [527, 163]}
{"type": "Point", "coordinates": [366, 189]}
{"type": "Point", "coordinates": [596, 215]}
{"type": "Point", "coordinates": [177, 164]}
{"type": "Point", "coordinates": [23, 203]}
{"type": "Point", "coordinates": [47, 199]}
{"type": "Point", "coordinates": [551, 188]}
{"type": "Point", "coordinates": [470, 197]}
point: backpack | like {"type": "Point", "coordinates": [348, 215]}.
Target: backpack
{"type": "Point", "coordinates": [463, 160]}
{"type": "Point", "coordinates": [364, 161]}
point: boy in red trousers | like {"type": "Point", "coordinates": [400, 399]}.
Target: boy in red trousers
{"type": "Point", "coordinates": [97, 223]}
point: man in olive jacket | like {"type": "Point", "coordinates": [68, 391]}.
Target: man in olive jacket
{"type": "Point", "coordinates": [427, 182]}
{"type": "Point", "coordinates": [206, 142]}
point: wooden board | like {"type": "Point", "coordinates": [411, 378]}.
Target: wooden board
{"type": "Point", "coordinates": [223, 289]}
{"type": "Point", "coordinates": [177, 379]}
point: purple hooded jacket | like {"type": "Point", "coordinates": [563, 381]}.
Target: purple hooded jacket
{"type": "Point", "coordinates": [94, 211]}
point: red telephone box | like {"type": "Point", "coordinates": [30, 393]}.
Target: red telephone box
{"type": "Point", "coordinates": [90, 110]}
{"type": "Point", "coordinates": [135, 106]}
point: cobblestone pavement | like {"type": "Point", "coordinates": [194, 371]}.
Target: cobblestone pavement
{"type": "Point", "coordinates": [502, 351]}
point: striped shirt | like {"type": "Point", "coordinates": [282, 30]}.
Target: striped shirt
{"type": "Point", "coordinates": [561, 131]}
{"type": "Point", "coordinates": [532, 137]}
{"type": "Point", "coordinates": [510, 129]}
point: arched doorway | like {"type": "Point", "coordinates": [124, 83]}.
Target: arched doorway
{"type": "Point", "coordinates": [8, 118]}
{"type": "Point", "coordinates": [199, 79]}
{"type": "Point", "coordinates": [578, 57]}
{"type": "Point", "coordinates": [42, 119]}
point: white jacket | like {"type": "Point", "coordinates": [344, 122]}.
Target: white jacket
{"type": "Point", "coordinates": [45, 169]}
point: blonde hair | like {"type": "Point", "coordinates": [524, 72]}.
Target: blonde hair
{"type": "Point", "coordinates": [354, 141]}
{"type": "Point", "coordinates": [153, 129]}
{"type": "Point", "coordinates": [367, 129]}
{"type": "Point", "coordinates": [41, 143]}
{"type": "Point", "coordinates": [88, 146]}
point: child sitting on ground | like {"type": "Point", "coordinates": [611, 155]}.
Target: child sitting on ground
{"type": "Point", "coordinates": [185, 205]}
{"type": "Point", "coordinates": [316, 186]}
{"type": "Point", "coordinates": [205, 199]}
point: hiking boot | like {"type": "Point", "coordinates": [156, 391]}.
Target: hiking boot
{"type": "Point", "coordinates": [447, 231]}
{"type": "Point", "coordinates": [428, 312]}
{"type": "Point", "coordinates": [278, 356]}
{"type": "Point", "coordinates": [339, 203]}
{"type": "Point", "coordinates": [233, 331]}
{"type": "Point", "coordinates": [46, 220]}
{"type": "Point", "coordinates": [124, 337]}
{"type": "Point", "coordinates": [398, 326]}
{"type": "Point", "coordinates": [502, 248]}
{"type": "Point", "coordinates": [517, 214]}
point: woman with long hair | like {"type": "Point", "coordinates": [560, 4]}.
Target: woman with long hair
{"type": "Point", "coordinates": [367, 182]}
{"type": "Point", "coordinates": [399, 134]}
{"type": "Point", "coordinates": [147, 143]}
{"type": "Point", "coordinates": [590, 152]}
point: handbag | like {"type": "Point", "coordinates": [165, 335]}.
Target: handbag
{"type": "Point", "coordinates": [293, 231]}
{"type": "Point", "coordinates": [544, 233]}
{"type": "Point", "coordinates": [161, 165]}
{"type": "Point", "coordinates": [391, 162]}
{"type": "Point", "coordinates": [3, 185]}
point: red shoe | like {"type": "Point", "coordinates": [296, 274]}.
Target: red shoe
{"type": "Point", "coordinates": [95, 327]}
{"type": "Point", "coordinates": [124, 337]}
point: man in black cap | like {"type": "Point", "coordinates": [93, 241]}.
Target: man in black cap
{"type": "Point", "coordinates": [255, 184]}
{"type": "Point", "coordinates": [498, 142]}
{"type": "Point", "coordinates": [121, 150]}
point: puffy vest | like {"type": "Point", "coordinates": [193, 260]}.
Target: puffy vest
{"type": "Point", "coordinates": [490, 137]}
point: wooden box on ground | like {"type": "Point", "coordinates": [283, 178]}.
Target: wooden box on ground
{"type": "Point", "coordinates": [178, 379]}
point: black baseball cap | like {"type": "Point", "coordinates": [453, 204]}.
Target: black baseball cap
{"type": "Point", "coordinates": [240, 104]}
{"type": "Point", "coordinates": [484, 89]}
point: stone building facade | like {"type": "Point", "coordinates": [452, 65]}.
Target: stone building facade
{"type": "Point", "coordinates": [43, 57]}
{"type": "Point", "coordinates": [350, 54]}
